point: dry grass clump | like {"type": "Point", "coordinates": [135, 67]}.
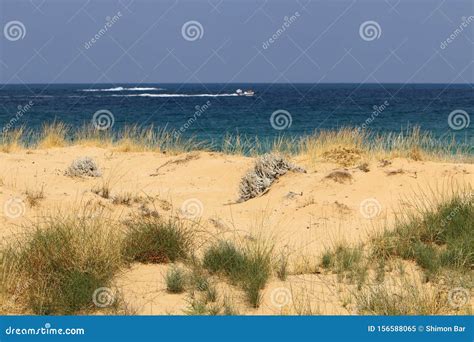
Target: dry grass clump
{"type": "Point", "coordinates": [127, 198]}
{"type": "Point", "coordinates": [60, 263]}
{"type": "Point", "coordinates": [53, 135]}
{"type": "Point", "coordinates": [12, 140]}
{"type": "Point", "coordinates": [266, 170]}
{"type": "Point", "coordinates": [83, 167]}
{"type": "Point", "coordinates": [406, 298]}
{"type": "Point", "coordinates": [345, 144]}
{"type": "Point", "coordinates": [155, 240]}
{"type": "Point", "coordinates": [344, 156]}
{"type": "Point", "coordinates": [34, 196]}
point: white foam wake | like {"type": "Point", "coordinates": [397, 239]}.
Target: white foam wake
{"type": "Point", "coordinates": [174, 95]}
{"type": "Point", "coordinates": [124, 89]}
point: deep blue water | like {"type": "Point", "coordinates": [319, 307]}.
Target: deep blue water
{"type": "Point", "coordinates": [312, 107]}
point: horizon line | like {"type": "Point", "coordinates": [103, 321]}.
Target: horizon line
{"type": "Point", "coordinates": [322, 83]}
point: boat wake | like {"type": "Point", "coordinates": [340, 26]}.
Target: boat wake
{"type": "Point", "coordinates": [124, 89]}
{"type": "Point", "coordinates": [173, 95]}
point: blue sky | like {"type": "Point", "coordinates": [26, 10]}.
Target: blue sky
{"type": "Point", "coordinates": [322, 41]}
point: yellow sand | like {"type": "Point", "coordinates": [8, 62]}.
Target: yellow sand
{"type": "Point", "coordinates": [304, 213]}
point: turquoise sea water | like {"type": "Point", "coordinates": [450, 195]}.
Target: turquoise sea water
{"type": "Point", "coordinates": [209, 111]}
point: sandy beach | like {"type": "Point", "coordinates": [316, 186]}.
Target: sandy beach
{"type": "Point", "coordinates": [303, 214]}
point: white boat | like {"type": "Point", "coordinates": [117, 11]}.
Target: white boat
{"type": "Point", "coordinates": [245, 93]}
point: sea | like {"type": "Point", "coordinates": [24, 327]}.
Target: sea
{"type": "Point", "coordinates": [209, 112]}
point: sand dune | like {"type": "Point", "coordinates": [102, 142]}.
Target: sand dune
{"type": "Point", "coordinates": [304, 213]}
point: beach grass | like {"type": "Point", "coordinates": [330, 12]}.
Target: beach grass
{"type": "Point", "coordinates": [406, 297]}
{"type": "Point", "coordinates": [248, 266]}
{"type": "Point", "coordinates": [175, 280]}
{"type": "Point", "coordinates": [156, 240]}
{"type": "Point", "coordinates": [410, 143]}
{"type": "Point", "coordinates": [438, 237]}
{"type": "Point", "coordinates": [60, 263]}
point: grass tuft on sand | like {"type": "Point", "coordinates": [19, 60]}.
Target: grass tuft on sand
{"type": "Point", "coordinates": [156, 240]}
{"type": "Point", "coordinates": [438, 239]}
{"type": "Point", "coordinates": [406, 298]}
{"type": "Point", "coordinates": [60, 263]}
{"type": "Point", "coordinates": [175, 280]}
{"type": "Point", "coordinates": [248, 266]}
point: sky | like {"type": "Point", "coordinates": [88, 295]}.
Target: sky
{"type": "Point", "coordinates": [201, 41]}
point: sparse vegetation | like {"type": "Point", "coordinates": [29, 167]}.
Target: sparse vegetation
{"type": "Point", "coordinates": [175, 280]}
{"type": "Point", "coordinates": [406, 298]}
{"type": "Point", "coordinates": [155, 240]}
{"type": "Point", "coordinates": [282, 267]}
{"type": "Point", "coordinates": [347, 262]}
{"type": "Point", "coordinates": [248, 266]}
{"type": "Point", "coordinates": [34, 196]}
{"type": "Point", "coordinates": [437, 238]}
{"type": "Point", "coordinates": [127, 198]}
{"type": "Point", "coordinates": [412, 143]}
{"type": "Point", "coordinates": [103, 189]}
{"type": "Point", "coordinates": [61, 262]}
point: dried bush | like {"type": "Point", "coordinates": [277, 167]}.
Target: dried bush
{"type": "Point", "coordinates": [84, 166]}
{"type": "Point", "coordinates": [266, 170]}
